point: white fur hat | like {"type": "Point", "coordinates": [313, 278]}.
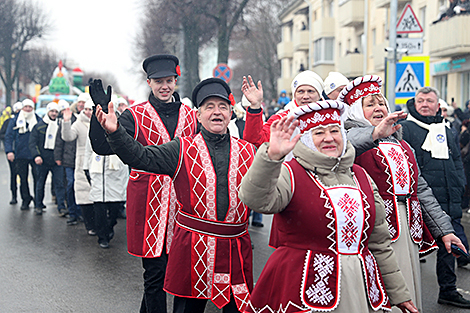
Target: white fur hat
{"type": "Point", "coordinates": [83, 97]}
{"type": "Point", "coordinates": [334, 80]}
{"type": "Point", "coordinates": [52, 106]}
{"type": "Point", "coordinates": [444, 105]}
{"type": "Point", "coordinates": [63, 104]}
{"type": "Point", "coordinates": [17, 106]}
{"type": "Point", "coordinates": [28, 102]}
{"type": "Point", "coordinates": [89, 104]}
{"type": "Point", "coordinates": [307, 78]}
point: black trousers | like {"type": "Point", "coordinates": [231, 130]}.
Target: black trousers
{"type": "Point", "coordinates": [88, 213]}
{"type": "Point", "coordinates": [191, 305]}
{"type": "Point", "coordinates": [22, 169]}
{"type": "Point", "coordinates": [13, 186]}
{"type": "Point", "coordinates": [105, 219]}
{"type": "Point", "coordinates": [154, 299]}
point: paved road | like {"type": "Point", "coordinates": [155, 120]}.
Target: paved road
{"type": "Point", "coordinates": [47, 266]}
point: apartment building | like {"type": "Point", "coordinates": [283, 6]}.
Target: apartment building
{"type": "Point", "coordinates": [350, 36]}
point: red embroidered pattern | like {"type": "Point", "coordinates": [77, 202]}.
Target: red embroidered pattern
{"type": "Point", "coordinates": [401, 176]}
{"type": "Point", "coordinates": [349, 230]}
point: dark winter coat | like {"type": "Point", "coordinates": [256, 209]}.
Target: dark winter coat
{"type": "Point", "coordinates": [445, 176]}
{"type": "Point", "coordinates": [16, 142]}
{"type": "Point", "coordinates": [65, 151]}
{"type": "Point", "coordinates": [36, 144]}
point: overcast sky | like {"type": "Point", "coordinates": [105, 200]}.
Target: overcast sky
{"type": "Point", "coordinates": [98, 35]}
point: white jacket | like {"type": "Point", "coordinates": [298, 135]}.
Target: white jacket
{"type": "Point", "coordinates": [109, 176]}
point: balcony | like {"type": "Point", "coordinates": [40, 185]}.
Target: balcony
{"type": "Point", "coordinates": [351, 64]}
{"type": "Point", "coordinates": [323, 69]}
{"type": "Point", "coordinates": [379, 54]}
{"type": "Point", "coordinates": [324, 27]}
{"type": "Point", "coordinates": [450, 38]}
{"type": "Point", "coordinates": [300, 40]}
{"type": "Point", "coordinates": [386, 3]}
{"type": "Point", "coordinates": [285, 50]}
{"type": "Point", "coordinates": [351, 13]}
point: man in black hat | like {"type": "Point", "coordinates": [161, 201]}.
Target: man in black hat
{"type": "Point", "coordinates": [211, 255]}
{"type": "Point", "coordinates": [151, 199]}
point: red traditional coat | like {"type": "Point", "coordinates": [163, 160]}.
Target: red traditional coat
{"type": "Point", "coordinates": [209, 258]}
{"type": "Point", "coordinates": [394, 169]}
{"type": "Point", "coordinates": [151, 198]}
{"type": "Point", "coordinates": [318, 225]}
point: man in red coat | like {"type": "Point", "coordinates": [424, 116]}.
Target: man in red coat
{"type": "Point", "coordinates": [151, 198]}
{"type": "Point", "coordinates": [211, 255]}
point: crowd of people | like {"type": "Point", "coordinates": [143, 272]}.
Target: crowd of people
{"type": "Point", "coordinates": [57, 143]}
{"type": "Point", "coordinates": [358, 192]}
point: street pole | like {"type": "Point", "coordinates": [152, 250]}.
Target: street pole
{"type": "Point", "coordinates": [392, 69]}
{"type": "Point", "coordinates": [366, 37]}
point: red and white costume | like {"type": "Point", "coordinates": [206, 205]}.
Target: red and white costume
{"type": "Point", "coordinates": [210, 258]}
{"type": "Point", "coordinates": [151, 198]}
{"type": "Point", "coordinates": [330, 233]}
{"type": "Point", "coordinates": [343, 216]}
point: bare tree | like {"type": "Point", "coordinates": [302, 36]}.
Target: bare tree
{"type": "Point", "coordinates": [39, 64]}
{"type": "Point", "coordinates": [226, 14]}
{"type": "Point", "coordinates": [254, 45]}
{"type": "Point", "coordinates": [21, 22]}
{"type": "Point", "coordinates": [176, 27]}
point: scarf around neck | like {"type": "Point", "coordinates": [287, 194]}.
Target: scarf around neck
{"type": "Point", "coordinates": [51, 132]}
{"type": "Point", "coordinates": [25, 122]}
{"type": "Point", "coordinates": [436, 140]}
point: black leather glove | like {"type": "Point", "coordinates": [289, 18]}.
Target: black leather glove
{"type": "Point", "coordinates": [88, 177]}
{"type": "Point", "coordinates": [99, 96]}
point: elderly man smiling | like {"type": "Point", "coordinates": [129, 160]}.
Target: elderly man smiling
{"type": "Point", "coordinates": [211, 255]}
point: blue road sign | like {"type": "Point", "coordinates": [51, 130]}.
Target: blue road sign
{"type": "Point", "coordinates": [223, 72]}
{"type": "Point", "coordinates": [410, 77]}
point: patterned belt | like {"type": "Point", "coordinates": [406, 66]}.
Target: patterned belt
{"type": "Point", "coordinates": [210, 228]}
{"type": "Point", "coordinates": [403, 198]}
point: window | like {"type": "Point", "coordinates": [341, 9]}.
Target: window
{"type": "Point", "coordinates": [323, 50]}
{"type": "Point", "coordinates": [422, 19]}
{"type": "Point", "coordinates": [465, 88]}
{"type": "Point", "coordinates": [440, 82]}
{"type": "Point", "coordinates": [374, 36]}
{"type": "Point", "coordinates": [331, 8]}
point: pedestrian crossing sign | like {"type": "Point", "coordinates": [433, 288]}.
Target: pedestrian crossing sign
{"type": "Point", "coordinates": [412, 74]}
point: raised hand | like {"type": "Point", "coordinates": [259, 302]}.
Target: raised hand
{"type": "Point", "coordinates": [99, 96]}
{"type": "Point", "coordinates": [280, 142]}
{"type": "Point", "coordinates": [67, 114]}
{"type": "Point", "coordinates": [386, 128]}
{"type": "Point", "coordinates": [107, 120]}
{"type": "Point", "coordinates": [252, 94]}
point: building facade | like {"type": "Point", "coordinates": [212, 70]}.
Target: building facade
{"type": "Point", "coordinates": [350, 36]}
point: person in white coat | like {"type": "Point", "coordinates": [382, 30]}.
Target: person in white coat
{"type": "Point", "coordinates": [82, 184]}
{"type": "Point", "coordinates": [109, 178]}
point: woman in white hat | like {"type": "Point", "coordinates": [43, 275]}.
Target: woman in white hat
{"type": "Point", "coordinates": [390, 161]}
{"type": "Point", "coordinates": [332, 245]}
{"type": "Point", "coordinates": [307, 87]}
